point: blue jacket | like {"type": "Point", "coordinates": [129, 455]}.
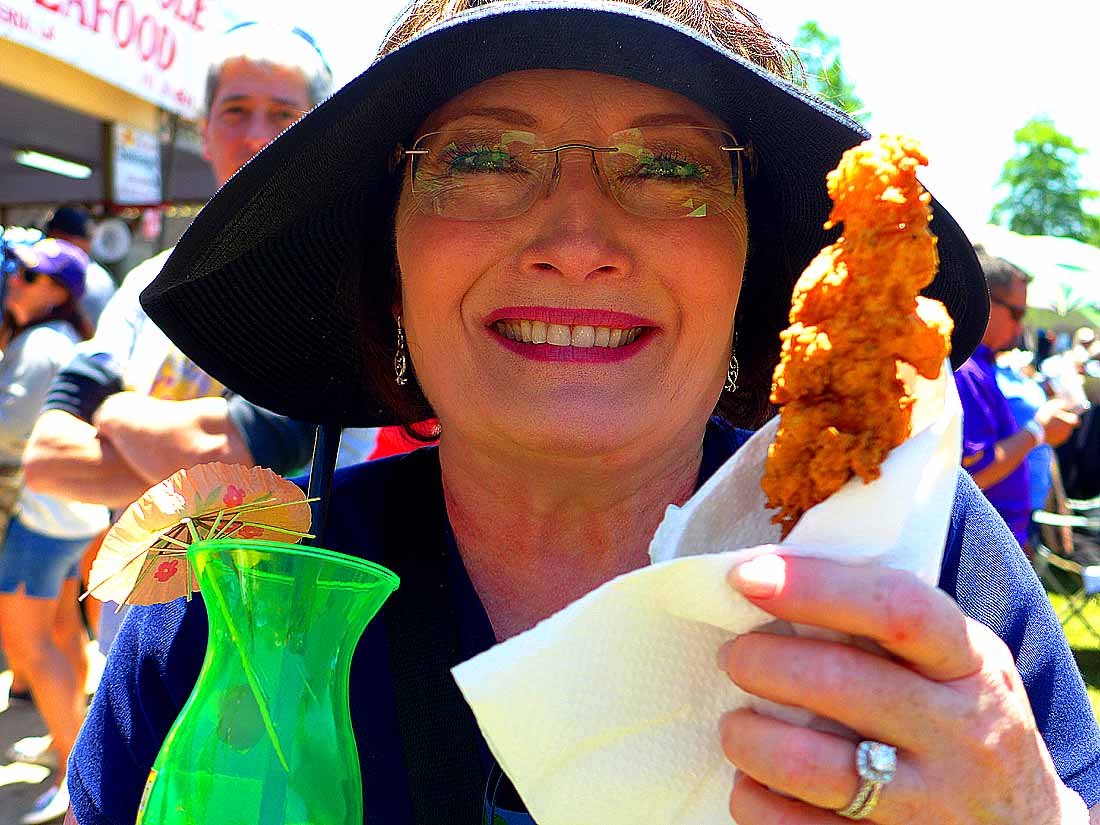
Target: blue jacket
{"type": "Point", "coordinates": [156, 658]}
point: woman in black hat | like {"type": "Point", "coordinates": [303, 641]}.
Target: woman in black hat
{"type": "Point", "coordinates": [454, 233]}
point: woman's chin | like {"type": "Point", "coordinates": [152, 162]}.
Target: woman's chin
{"type": "Point", "coordinates": [583, 429]}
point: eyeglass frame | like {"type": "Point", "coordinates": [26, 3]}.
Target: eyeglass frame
{"type": "Point", "coordinates": [1017, 313]}
{"type": "Point", "coordinates": [746, 156]}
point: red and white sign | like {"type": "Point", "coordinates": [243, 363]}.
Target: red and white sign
{"type": "Point", "coordinates": [155, 49]}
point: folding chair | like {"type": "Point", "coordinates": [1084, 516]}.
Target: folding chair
{"type": "Point", "coordinates": [1068, 540]}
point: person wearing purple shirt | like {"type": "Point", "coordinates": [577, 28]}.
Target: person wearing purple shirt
{"type": "Point", "coordinates": [995, 447]}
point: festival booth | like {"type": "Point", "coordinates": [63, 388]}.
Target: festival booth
{"type": "Point", "coordinates": [100, 100]}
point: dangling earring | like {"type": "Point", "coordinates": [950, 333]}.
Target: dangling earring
{"type": "Point", "coordinates": [732, 372]}
{"type": "Point", "coordinates": [400, 360]}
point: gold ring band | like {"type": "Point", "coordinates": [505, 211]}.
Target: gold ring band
{"type": "Point", "coordinates": [876, 764]}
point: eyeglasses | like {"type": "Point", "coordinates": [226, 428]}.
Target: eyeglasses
{"type": "Point", "coordinates": [1016, 312]}
{"type": "Point", "coordinates": [485, 174]}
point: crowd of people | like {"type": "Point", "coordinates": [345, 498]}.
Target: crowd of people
{"type": "Point", "coordinates": [1027, 411]}
{"type": "Point", "coordinates": [544, 446]}
{"type": "Point", "coordinates": [97, 405]}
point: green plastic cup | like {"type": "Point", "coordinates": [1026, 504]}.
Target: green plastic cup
{"type": "Point", "coordinates": [266, 734]}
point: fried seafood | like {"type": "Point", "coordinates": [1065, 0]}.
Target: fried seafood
{"type": "Point", "coordinates": [855, 314]}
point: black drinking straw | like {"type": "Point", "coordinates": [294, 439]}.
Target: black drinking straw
{"type": "Point", "coordinates": [326, 446]}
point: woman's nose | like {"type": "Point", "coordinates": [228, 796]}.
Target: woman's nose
{"type": "Point", "coordinates": [579, 235]}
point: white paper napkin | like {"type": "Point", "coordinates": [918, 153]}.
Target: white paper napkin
{"type": "Point", "coordinates": [607, 712]}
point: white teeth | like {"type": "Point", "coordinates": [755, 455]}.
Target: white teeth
{"type": "Point", "coordinates": [558, 335]}
{"type": "Point", "coordinates": [583, 336]}
{"type": "Point", "coordinates": [561, 335]}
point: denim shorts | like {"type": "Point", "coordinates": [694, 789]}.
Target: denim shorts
{"type": "Point", "coordinates": [40, 562]}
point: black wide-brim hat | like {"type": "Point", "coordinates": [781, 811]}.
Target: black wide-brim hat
{"type": "Point", "coordinates": [257, 291]}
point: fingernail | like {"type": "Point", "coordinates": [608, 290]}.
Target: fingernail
{"type": "Point", "coordinates": [759, 578]}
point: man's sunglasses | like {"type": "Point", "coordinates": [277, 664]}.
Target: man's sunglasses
{"type": "Point", "coordinates": [1016, 312]}
{"type": "Point", "coordinates": [302, 33]}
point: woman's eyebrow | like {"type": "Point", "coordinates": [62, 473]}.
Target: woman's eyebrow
{"type": "Point", "coordinates": [518, 117]}
{"type": "Point", "coordinates": [667, 119]}
{"type": "Point", "coordinates": [504, 114]}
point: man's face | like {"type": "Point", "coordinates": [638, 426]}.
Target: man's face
{"type": "Point", "coordinates": [254, 103]}
{"type": "Point", "coordinates": [1006, 315]}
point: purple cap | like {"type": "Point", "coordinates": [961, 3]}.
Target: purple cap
{"type": "Point", "coordinates": [61, 260]}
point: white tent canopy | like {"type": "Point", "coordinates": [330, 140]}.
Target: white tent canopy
{"type": "Point", "coordinates": [1065, 272]}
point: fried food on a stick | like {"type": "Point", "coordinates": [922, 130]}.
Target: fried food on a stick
{"type": "Point", "coordinates": [855, 314]}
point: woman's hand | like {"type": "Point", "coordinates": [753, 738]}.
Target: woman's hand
{"type": "Point", "coordinates": [950, 700]}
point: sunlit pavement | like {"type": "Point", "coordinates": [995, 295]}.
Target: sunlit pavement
{"type": "Point", "coordinates": [20, 783]}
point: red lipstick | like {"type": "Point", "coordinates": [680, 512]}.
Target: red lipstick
{"type": "Point", "coordinates": [572, 317]}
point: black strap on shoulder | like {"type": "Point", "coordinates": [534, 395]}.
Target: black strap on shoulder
{"type": "Point", "coordinates": [437, 727]}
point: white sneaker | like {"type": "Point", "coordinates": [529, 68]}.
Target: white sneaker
{"type": "Point", "coordinates": [34, 750]}
{"type": "Point", "coordinates": [51, 806]}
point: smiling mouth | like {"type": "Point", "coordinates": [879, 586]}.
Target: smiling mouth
{"type": "Point", "coordinates": [581, 336]}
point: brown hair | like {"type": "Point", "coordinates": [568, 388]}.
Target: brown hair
{"type": "Point", "coordinates": [724, 22]}
{"type": "Point", "coordinates": [69, 312]}
{"type": "Point", "coordinates": [1000, 274]}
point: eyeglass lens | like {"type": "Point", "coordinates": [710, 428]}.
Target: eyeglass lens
{"type": "Point", "coordinates": [662, 172]}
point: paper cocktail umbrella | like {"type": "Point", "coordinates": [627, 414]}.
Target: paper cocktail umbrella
{"type": "Point", "coordinates": [143, 559]}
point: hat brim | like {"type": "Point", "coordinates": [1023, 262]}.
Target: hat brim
{"type": "Point", "coordinates": [25, 257]}
{"type": "Point", "coordinates": [257, 293]}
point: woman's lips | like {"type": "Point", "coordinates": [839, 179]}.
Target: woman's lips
{"type": "Point", "coordinates": [570, 334]}
{"type": "Point", "coordinates": [569, 316]}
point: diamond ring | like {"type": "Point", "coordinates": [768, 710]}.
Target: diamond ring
{"type": "Point", "coordinates": [876, 765]}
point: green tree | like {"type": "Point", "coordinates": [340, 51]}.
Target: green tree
{"type": "Point", "coordinates": [820, 55]}
{"type": "Point", "coordinates": [1045, 196]}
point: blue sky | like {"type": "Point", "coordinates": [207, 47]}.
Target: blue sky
{"type": "Point", "coordinates": [960, 75]}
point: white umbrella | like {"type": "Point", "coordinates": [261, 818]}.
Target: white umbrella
{"type": "Point", "coordinates": [1065, 272]}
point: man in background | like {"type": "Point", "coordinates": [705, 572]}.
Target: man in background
{"type": "Point", "coordinates": [995, 447]}
{"type": "Point", "coordinates": [131, 409]}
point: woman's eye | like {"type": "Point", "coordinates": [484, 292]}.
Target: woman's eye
{"type": "Point", "coordinates": [665, 167]}
{"type": "Point", "coordinates": [480, 159]}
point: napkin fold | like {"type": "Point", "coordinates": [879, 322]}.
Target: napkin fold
{"type": "Point", "coordinates": [607, 712]}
